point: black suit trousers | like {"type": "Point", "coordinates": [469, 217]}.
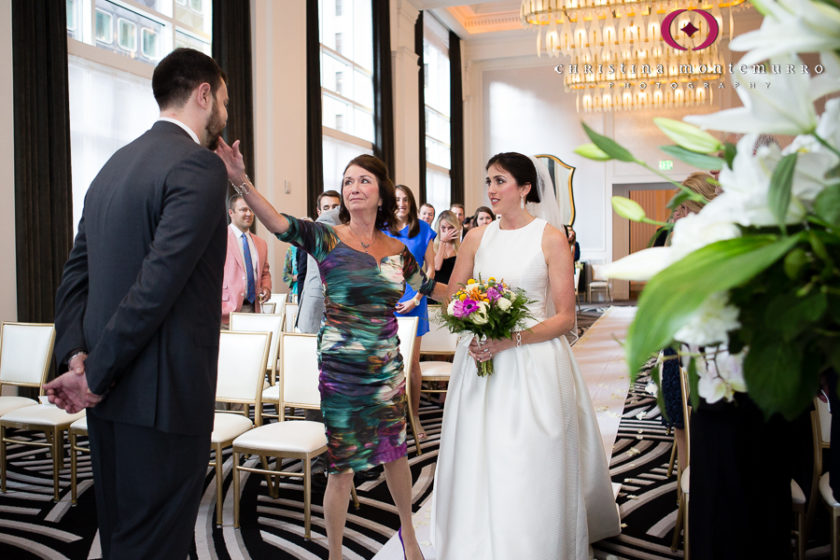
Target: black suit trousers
{"type": "Point", "coordinates": [148, 489]}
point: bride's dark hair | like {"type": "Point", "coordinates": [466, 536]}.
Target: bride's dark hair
{"type": "Point", "coordinates": [522, 169]}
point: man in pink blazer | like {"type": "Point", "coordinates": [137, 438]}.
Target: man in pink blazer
{"type": "Point", "coordinates": [242, 291]}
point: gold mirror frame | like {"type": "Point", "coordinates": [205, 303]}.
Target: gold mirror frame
{"type": "Point", "coordinates": [562, 175]}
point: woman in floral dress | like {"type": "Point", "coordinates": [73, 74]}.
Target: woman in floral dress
{"type": "Point", "coordinates": [361, 381]}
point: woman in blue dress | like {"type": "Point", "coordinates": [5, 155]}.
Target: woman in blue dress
{"type": "Point", "coordinates": [418, 236]}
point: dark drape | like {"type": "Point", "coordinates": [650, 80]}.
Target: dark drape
{"type": "Point", "coordinates": [232, 50]}
{"type": "Point", "coordinates": [383, 92]}
{"type": "Point", "coordinates": [421, 102]}
{"type": "Point", "coordinates": [43, 183]}
{"type": "Point", "coordinates": [314, 134]}
{"type": "Point", "coordinates": [456, 119]}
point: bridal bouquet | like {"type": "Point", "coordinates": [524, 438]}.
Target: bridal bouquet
{"type": "Point", "coordinates": [751, 283]}
{"type": "Point", "coordinates": [488, 310]}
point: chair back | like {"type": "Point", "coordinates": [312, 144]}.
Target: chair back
{"type": "Point", "coordinates": [299, 372]}
{"type": "Point", "coordinates": [261, 322]}
{"type": "Point", "coordinates": [407, 332]}
{"type": "Point", "coordinates": [438, 340]}
{"type": "Point", "coordinates": [25, 353]}
{"type": "Point", "coordinates": [291, 317]}
{"type": "Point", "coordinates": [242, 365]}
{"type": "Point", "coordinates": [823, 422]}
{"type": "Point", "coordinates": [279, 301]}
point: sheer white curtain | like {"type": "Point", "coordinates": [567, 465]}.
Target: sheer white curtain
{"type": "Point", "coordinates": [108, 109]}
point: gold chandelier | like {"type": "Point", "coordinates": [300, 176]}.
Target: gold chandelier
{"type": "Point", "coordinates": [633, 54]}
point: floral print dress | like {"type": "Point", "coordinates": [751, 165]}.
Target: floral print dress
{"type": "Point", "coordinates": [361, 370]}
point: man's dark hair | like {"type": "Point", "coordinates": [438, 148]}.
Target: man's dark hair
{"type": "Point", "coordinates": [330, 193]}
{"type": "Point", "coordinates": [180, 72]}
{"type": "Point", "coordinates": [232, 200]}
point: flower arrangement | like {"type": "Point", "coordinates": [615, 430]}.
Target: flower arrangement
{"type": "Point", "coordinates": [751, 284]}
{"type": "Point", "coordinates": [488, 310]}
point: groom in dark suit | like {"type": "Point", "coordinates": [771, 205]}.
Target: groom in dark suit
{"type": "Point", "coordinates": [138, 312]}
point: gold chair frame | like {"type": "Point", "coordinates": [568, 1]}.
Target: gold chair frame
{"type": "Point", "coordinates": [218, 445]}
{"type": "Point", "coordinates": [407, 326]}
{"type": "Point", "coordinates": [242, 449]}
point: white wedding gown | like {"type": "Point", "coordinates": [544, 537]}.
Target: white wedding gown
{"type": "Point", "coordinates": [521, 472]}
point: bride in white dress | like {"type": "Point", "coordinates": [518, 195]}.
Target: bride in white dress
{"type": "Point", "coordinates": [522, 472]}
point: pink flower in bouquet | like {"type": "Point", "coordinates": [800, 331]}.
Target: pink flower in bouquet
{"type": "Point", "coordinates": [461, 309]}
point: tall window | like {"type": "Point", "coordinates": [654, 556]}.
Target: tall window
{"type": "Point", "coordinates": [437, 110]}
{"type": "Point", "coordinates": [113, 47]}
{"type": "Point", "coordinates": [346, 39]}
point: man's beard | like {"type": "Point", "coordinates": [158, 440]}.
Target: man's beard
{"type": "Point", "coordinates": [214, 127]}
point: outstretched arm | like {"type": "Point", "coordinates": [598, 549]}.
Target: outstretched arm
{"type": "Point", "coordinates": [262, 208]}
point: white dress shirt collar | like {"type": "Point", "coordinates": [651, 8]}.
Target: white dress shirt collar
{"type": "Point", "coordinates": [187, 129]}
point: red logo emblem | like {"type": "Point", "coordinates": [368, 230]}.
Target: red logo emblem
{"type": "Point", "coordinates": [689, 29]}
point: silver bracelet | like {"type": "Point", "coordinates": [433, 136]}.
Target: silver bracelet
{"type": "Point", "coordinates": [518, 338]}
{"type": "Point", "coordinates": [242, 189]}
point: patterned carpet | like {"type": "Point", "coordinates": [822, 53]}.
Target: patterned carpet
{"type": "Point", "coordinates": [32, 526]}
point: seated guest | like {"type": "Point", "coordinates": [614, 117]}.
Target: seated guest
{"type": "Point", "coordinates": [427, 213]}
{"type": "Point", "coordinates": [483, 216]}
{"type": "Point", "coordinates": [247, 281]}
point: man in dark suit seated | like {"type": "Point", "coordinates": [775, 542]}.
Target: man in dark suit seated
{"type": "Point", "coordinates": [138, 312]}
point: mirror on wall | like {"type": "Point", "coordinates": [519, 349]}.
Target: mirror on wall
{"type": "Point", "coordinates": [561, 175]}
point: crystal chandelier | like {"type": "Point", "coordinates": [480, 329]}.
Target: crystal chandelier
{"type": "Point", "coordinates": [633, 54]}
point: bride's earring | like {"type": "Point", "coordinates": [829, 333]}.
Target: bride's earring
{"type": "Point", "coordinates": [522, 202]}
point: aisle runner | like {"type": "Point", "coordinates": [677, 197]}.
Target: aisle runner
{"type": "Point", "coordinates": [601, 361]}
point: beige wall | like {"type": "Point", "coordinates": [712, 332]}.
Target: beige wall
{"type": "Point", "coordinates": [8, 282]}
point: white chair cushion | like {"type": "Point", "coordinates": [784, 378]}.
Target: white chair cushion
{"type": "Point", "coordinates": [295, 436]}
{"type": "Point", "coordinates": [685, 480]}
{"type": "Point", "coordinates": [8, 404]}
{"type": "Point", "coordinates": [227, 426]}
{"type": "Point", "coordinates": [79, 425]}
{"type": "Point", "coordinates": [797, 496]}
{"type": "Point", "coordinates": [41, 415]}
{"type": "Point", "coordinates": [271, 394]}
{"type": "Point", "coordinates": [435, 369]}
{"type": "Point", "coordinates": [827, 493]}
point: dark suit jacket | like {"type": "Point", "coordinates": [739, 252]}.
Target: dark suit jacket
{"type": "Point", "coordinates": [141, 290]}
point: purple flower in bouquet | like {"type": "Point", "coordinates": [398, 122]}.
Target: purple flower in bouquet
{"type": "Point", "coordinates": [493, 294]}
{"type": "Point", "coordinates": [470, 306]}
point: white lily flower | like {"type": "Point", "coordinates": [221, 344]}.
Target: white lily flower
{"type": "Point", "coordinates": [711, 323]}
{"type": "Point", "coordinates": [791, 26]}
{"type": "Point", "coordinates": [778, 104]}
{"type": "Point", "coordinates": [829, 81]}
{"type": "Point", "coordinates": [747, 184]}
{"type": "Point", "coordinates": [640, 266]}
{"type": "Point", "coordinates": [721, 376]}
{"type": "Point", "coordinates": [698, 230]}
